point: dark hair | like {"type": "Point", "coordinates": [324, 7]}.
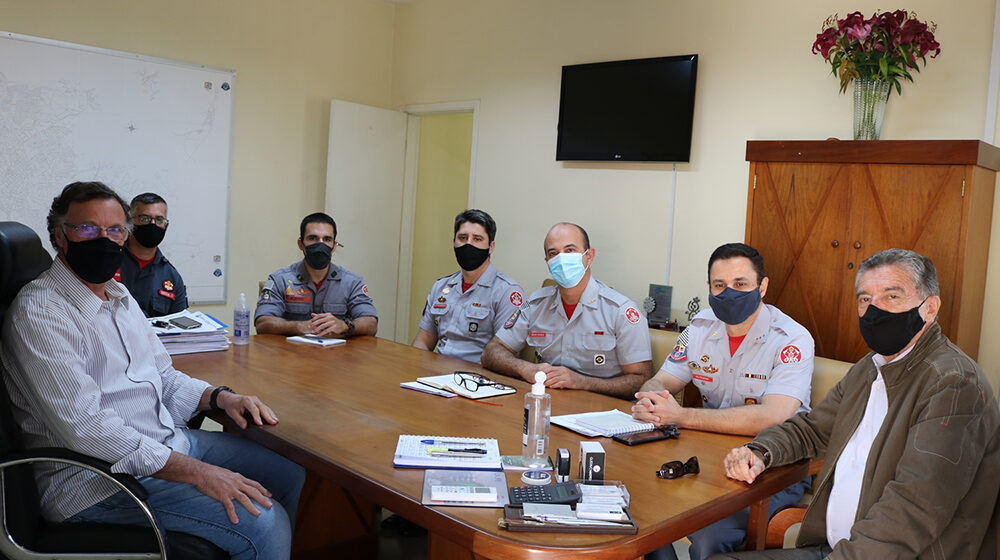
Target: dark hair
{"type": "Point", "coordinates": [147, 198]}
{"type": "Point", "coordinates": [477, 217]}
{"type": "Point", "coordinates": [316, 218]}
{"type": "Point", "coordinates": [80, 192]}
{"type": "Point", "coordinates": [921, 269]}
{"type": "Point", "coordinates": [583, 232]}
{"type": "Point", "coordinates": [733, 250]}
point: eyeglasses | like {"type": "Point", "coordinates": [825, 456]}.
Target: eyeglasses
{"type": "Point", "coordinates": [473, 381]}
{"type": "Point", "coordinates": [144, 219]}
{"type": "Point", "coordinates": [90, 231]}
{"type": "Point", "coordinates": [677, 469]}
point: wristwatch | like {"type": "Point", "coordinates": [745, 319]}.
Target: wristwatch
{"type": "Point", "coordinates": [350, 326]}
{"type": "Point", "coordinates": [760, 450]}
{"type": "Point", "coordinates": [213, 401]}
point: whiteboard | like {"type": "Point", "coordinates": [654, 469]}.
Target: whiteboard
{"type": "Point", "coordinates": [139, 124]}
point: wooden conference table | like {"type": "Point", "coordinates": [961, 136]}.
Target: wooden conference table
{"type": "Point", "coordinates": [341, 411]}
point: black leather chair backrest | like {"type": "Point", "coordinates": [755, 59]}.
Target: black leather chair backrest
{"type": "Point", "coordinates": [22, 259]}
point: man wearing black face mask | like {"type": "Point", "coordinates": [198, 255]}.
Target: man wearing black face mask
{"type": "Point", "coordinates": [154, 283]}
{"type": "Point", "coordinates": [464, 310]}
{"type": "Point", "coordinates": [85, 371]}
{"type": "Point", "coordinates": [753, 366]}
{"type": "Point", "coordinates": [313, 296]}
{"type": "Point", "coordinates": [911, 435]}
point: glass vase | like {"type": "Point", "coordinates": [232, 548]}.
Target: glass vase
{"type": "Point", "coordinates": [870, 95]}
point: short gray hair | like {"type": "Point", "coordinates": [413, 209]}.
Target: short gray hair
{"type": "Point", "coordinates": [920, 268]}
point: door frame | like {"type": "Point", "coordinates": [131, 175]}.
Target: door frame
{"type": "Point", "coordinates": [411, 158]}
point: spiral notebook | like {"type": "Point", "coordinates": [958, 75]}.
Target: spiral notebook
{"type": "Point", "coordinates": [608, 423]}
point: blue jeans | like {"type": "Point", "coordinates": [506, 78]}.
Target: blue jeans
{"type": "Point", "coordinates": [727, 534]}
{"type": "Point", "coordinates": [182, 507]}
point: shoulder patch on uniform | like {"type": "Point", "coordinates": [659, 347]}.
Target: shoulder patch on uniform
{"type": "Point", "coordinates": [679, 353]}
{"type": "Point", "coordinates": [264, 297]}
{"type": "Point", "coordinates": [632, 315]}
{"type": "Point", "coordinates": [365, 289]}
{"type": "Point", "coordinates": [790, 354]}
{"type": "Point", "coordinates": [516, 299]}
{"type": "Point", "coordinates": [512, 319]}
{"type": "Point", "coordinates": [683, 338]}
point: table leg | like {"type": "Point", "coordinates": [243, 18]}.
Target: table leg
{"type": "Point", "coordinates": [332, 522]}
{"type": "Point", "coordinates": [757, 526]}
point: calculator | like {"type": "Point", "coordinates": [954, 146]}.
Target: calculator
{"type": "Point", "coordinates": [562, 493]}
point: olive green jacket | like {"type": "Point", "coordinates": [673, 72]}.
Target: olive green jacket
{"type": "Point", "coordinates": [931, 482]}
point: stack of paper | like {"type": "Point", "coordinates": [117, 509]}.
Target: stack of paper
{"type": "Point", "coordinates": [208, 336]}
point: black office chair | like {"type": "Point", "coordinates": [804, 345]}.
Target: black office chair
{"type": "Point", "coordinates": [24, 533]}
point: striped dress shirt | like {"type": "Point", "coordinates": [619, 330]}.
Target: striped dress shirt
{"type": "Point", "coordinates": [92, 376]}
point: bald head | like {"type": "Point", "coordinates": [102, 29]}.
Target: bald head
{"type": "Point", "coordinates": [563, 235]}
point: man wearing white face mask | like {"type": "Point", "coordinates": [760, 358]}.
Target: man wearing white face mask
{"type": "Point", "coordinates": [587, 335]}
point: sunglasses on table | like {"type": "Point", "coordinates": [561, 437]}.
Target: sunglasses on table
{"type": "Point", "coordinates": [677, 469]}
{"type": "Point", "coordinates": [473, 381]}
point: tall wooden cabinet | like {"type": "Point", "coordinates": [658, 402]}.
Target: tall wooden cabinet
{"type": "Point", "coordinates": [817, 209]}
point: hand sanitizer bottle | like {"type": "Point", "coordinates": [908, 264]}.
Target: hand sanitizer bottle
{"type": "Point", "coordinates": [241, 322]}
{"type": "Point", "coordinates": [535, 441]}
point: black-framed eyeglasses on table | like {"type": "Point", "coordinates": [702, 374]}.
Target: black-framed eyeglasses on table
{"type": "Point", "coordinates": [473, 381]}
{"type": "Point", "coordinates": [677, 469]}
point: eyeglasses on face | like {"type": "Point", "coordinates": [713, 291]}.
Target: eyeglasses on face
{"type": "Point", "coordinates": [144, 219]}
{"type": "Point", "coordinates": [473, 381]}
{"type": "Point", "coordinates": [677, 469]}
{"type": "Point", "coordinates": [90, 231]}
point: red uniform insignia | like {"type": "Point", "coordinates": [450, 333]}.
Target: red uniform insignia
{"type": "Point", "coordinates": [118, 275]}
{"type": "Point", "coordinates": [705, 359]}
{"type": "Point", "coordinates": [709, 369]}
{"type": "Point", "coordinates": [298, 298]}
{"type": "Point", "coordinates": [632, 315]}
{"type": "Point", "coordinates": [537, 334]}
{"type": "Point", "coordinates": [512, 319]}
{"type": "Point", "coordinates": [700, 377]}
{"type": "Point", "coordinates": [168, 285]}
{"type": "Point", "coordinates": [440, 305]}
{"type": "Point", "coordinates": [749, 400]}
{"type": "Point", "coordinates": [515, 298]}
{"type": "Point", "coordinates": [365, 289]}
{"type": "Point", "coordinates": [169, 295]}
{"type": "Point", "coordinates": [679, 354]}
{"type": "Point", "coordinates": [790, 354]}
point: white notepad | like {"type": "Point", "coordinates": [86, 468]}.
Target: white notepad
{"type": "Point", "coordinates": [608, 423]}
{"type": "Point", "coordinates": [318, 341]}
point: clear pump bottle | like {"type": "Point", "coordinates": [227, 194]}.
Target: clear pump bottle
{"type": "Point", "coordinates": [535, 439]}
{"type": "Point", "coordinates": [241, 322]}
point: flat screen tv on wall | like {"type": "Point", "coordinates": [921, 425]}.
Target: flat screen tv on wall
{"type": "Point", "coordinates": [627, 110]}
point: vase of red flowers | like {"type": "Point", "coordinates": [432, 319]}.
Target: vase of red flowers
{"type": "Point", "coordinates": [876, 54]}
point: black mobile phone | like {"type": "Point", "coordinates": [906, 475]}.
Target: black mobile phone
{"type": "Point", "coordinates": [185, 323]}
{"type": "Point", "coordinates": [668, 431]}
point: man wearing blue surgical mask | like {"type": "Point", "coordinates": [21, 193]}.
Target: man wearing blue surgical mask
{"type": "Point", "coordinates": [586, 335]}
{"type": "Point", "coordinates": [753, 366]}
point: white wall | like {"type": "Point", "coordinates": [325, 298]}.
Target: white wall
{"type": "Point", "coordinates": [757, 79]}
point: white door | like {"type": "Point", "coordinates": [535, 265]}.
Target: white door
{"type": "Point", "coordinates": [364, 194]}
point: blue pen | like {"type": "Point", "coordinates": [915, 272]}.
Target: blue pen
{"type": "Point", "coordinates": [445, 442]}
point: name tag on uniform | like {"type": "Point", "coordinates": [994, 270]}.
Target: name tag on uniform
{"type": "Point", "coordinates": [537, 334]}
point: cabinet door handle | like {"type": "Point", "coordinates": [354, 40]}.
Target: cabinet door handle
{"type": "Point", "coordinates": [835, 244]}
{"type": "Point", "coordinates": [857, 244]}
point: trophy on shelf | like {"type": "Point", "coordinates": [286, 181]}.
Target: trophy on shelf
{"type": "Point", "coordinates": [657, 307]}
